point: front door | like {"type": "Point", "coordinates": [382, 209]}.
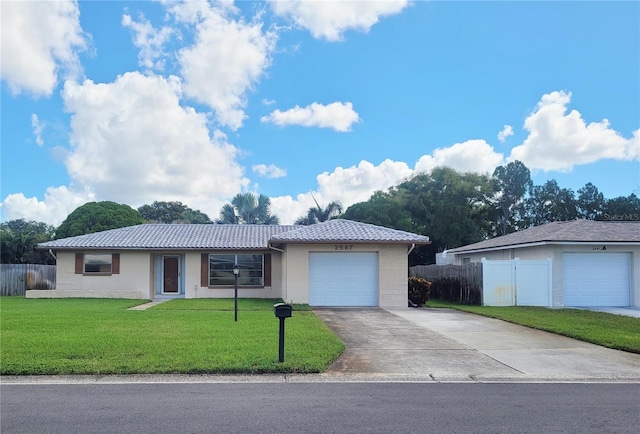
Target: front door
{"type": "Point", "coordinates": [170, 274]}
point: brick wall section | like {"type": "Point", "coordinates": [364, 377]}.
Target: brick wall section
{"type": "Point", "coordinates": [393, 269]}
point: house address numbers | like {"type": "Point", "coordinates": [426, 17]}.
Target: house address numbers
{"type": "Point", "coordinates": [343, 247]}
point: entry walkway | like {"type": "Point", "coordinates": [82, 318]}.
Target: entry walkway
{"type": "Point", "coordinates": [449, 345]}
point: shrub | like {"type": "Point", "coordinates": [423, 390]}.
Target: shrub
{"type": "Point", "coordinates": [419, 290]}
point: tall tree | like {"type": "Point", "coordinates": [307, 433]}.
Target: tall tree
{"type": "Point", "coordinates": [622, 208]}
{"type": "Point", "coordinates": [318, 214]}
{"type": "Point", "coordinates": [452, 208]}
{"type": "Point", "coordinates": [19, 238]}
{"type": "Point", "coordinates": [172, 212]}
{"type": "Point", "coordinates": [511, 184]}
{"type": "Point", "coordinates": [246, 208]}
{"type": "Point", "coordinates": [382, 209]}
{"type": "Point", "coordinates": [98, 216]}
{"type": "Point", "coordinates": [590, 202]}
{"type": "Point", "coordinates": [549, 203]}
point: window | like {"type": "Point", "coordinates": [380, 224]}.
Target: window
{"type": "Point", "coordinates": [98, 263]}
{"type": "Point", "coordinates": [251, 270]}
{"type": "Point", "coordinates": [466, 260]}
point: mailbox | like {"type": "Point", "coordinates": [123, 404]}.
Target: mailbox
{"type": "Point", "coordinates": [282, 310]}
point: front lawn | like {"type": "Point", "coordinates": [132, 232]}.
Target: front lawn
{"type": "Point", "coordinates": [605, 329]}
{"type": "Point", "coordinates": [84, 336]}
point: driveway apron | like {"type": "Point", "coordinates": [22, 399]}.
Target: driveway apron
{"type": "Point", "coordinates": [444, 344]}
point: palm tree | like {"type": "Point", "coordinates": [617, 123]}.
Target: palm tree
{"type": "Point", "coordinates": [317, 214]}
{"type": "Point", "coordinates": [246, 208]}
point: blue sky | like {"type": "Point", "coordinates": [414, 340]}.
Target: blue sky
{"type": "Point", "coordinates": [196, 101]}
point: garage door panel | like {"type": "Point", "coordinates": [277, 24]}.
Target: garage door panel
{"type": "Point", "coordinates": [596, 279]}
{"type": "Point", "coordinates": [343, 279]}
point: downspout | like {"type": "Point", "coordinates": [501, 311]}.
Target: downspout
{"type": "Point", "coordinates": [54, 256]}
{"type": "Point", "coordinates": [286, 279]}
{"type": "Point", "coordinates": [413, 246]}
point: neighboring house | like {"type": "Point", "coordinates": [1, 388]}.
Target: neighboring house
{"type": "Point", "coordinates": [334, 263]}
{"type": "Point", "coordinates": [593, 263]}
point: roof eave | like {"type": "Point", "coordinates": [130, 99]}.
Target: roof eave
{"type": "Point", "coordinates": [542, 243]}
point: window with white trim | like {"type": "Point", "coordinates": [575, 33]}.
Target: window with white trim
{"type": "Point", "coordinates": [221, 270]}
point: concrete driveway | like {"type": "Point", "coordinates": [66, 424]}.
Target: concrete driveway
{"type": "Point", "coordinates": [448, 345]}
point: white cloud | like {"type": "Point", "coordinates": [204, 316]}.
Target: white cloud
{"type": "Point", "coordinates": [507, 131]}
{"type": "Point", "coordinates": [38, 127]}
{"type": "Point", "coordinates": [348, 185]}
{"type": "Point", "coordinates": [226, 61]}
{"type": "Point", "coordinates": [558, 141]}
{"type": "Point", "coordinates": [470, 156]}
{"type": "Point", "coordinates": [39, 41]}
{"type": "Point", "coordinates": [149, 40]}
{"type": "Point", "coordinates": [270, 171]}
{"type": "Point", "coordinates": [132, 142]}
{"type": "Point", "coordinates": [337, 115]}
{"type": "Point", "coordinates": [330, 19]}
{"type": "Point", "coordinates": [58, 203]}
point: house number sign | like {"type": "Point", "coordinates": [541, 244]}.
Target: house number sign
{"type": "Point", "coordinates": [343, 247]}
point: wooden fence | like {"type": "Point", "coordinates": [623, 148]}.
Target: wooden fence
{"type": "Point", "coordinates": [457, 283]}
{"type": "Point", "coordinates": [15, 279]}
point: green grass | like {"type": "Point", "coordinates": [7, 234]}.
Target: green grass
{"type": "Point", "coordinates": [83, 336]}
{"type": "Point", "coordinates": [605, 329]}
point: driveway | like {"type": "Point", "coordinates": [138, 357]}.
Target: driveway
{"type": "Point", "coordinates": [444, 344]}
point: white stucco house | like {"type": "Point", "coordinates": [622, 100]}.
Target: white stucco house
{"type": "Point", "coordinates": [334, 263]}
{"type": "Point", "coordinates": [593, 263]}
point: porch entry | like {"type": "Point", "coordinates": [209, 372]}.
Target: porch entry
{"type": "Point", "coordinates": [169, 275]}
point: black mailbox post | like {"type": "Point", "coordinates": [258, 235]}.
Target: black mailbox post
{"type": "Point", "coordinates": [282, 312]}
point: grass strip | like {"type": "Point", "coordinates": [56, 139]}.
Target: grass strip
{"type": "Point", "coordinates": [89, 336]}
{"type": "Point", "coordinates": [600, 328]}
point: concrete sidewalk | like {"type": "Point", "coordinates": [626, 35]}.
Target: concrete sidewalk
{"type": "Point", "coordinates": [449, 345]}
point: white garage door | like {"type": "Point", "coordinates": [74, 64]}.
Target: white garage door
{"type": "Point", "coordinates": [596, 279]}
{"type": "Point", "coordinates": [343, 279]}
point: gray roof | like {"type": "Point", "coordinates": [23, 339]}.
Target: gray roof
{"type": "Point", "coordinates": [339, 230]}
{"type": "Point", "coordinates": [228, 237]}
{"type": "Point", "coordinates": [173, 236]}
{"type": "Point", "coordinates": [574, 231]}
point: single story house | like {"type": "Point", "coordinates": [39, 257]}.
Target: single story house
{"type": "Point", "coordinates": [593, 263]}
{"type": "Point", "coordinates": [334, 263]}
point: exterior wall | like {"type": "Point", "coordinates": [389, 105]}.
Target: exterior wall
{"type": "Point", "coordinates": [392, 271]}
{"type": "Point", "coordinates": [134, 280]}
{"type": "Point", "coordinates": [194, 289]}
{"type": "Point", "coordinates": [393, 263]}
{"type": "Point", "coordinates": [555, 251]}
{"type": "Point", "coordinates": [137, 279]}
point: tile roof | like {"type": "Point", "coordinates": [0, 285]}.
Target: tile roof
{"type": "Point", "coordinates": [577, 231]}
{"type": "Point", "coordinates": [237, 237]}
{"type": "Point", "coordinates": [339, 230]}
{"type": "Point", "coordinates": [174, 236]}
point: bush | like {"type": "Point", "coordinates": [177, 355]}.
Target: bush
{"type": "Point", "coordinates": [419, 290]}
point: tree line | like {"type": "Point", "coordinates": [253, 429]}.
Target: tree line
{"type": "Point", "coordinates": [450, 207]}
{"type": "Point", "coordinates": [455, 209]}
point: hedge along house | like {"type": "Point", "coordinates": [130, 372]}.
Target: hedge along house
{"type": "Point", "coordinates": [593, 263]}
{"type": "Point", "coordinates": [334, 263]}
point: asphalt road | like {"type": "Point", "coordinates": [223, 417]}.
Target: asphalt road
{"type": "Point", "coordinates": [319, 408]}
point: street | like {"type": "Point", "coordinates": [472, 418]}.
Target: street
{"type": "Point", "coordinates": [319, 408]}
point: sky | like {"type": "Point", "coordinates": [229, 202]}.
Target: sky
{"type": "Point", "coordinates": [196, 101]}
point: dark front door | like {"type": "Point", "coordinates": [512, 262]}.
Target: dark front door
{"type": "Point", "coordinates": [171, 274]}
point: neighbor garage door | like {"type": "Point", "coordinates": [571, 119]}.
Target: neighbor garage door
{"type": "Point", "coordinates": [596, 279]}
{"type": "Point", "coordinates": [343, 279]}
